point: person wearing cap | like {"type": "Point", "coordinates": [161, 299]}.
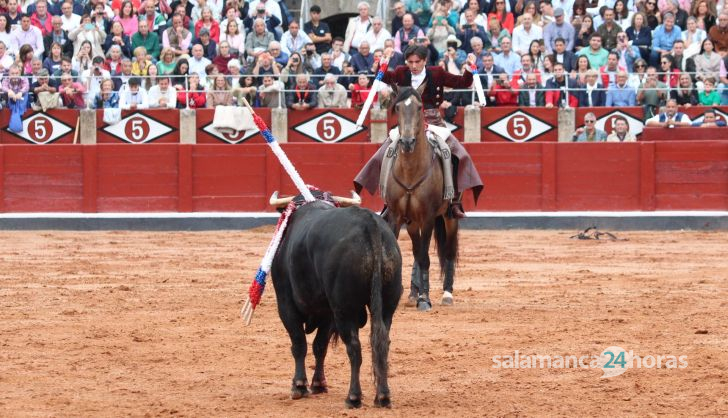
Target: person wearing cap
{"type": "Point", "coordinates": [134, 97]}
{"type": "Point", "coordinates": [453, 52]}
{"type": "Point", "coordinates": [430, 83]}
{"type": "Point", "coordinates": [559, 28]}
{"type": "Point", "coordinates": [319, 31]}
{"type": "Point", "coordinates": [92, 77]}
{"type": "Point", "coordinates": [209, 46]}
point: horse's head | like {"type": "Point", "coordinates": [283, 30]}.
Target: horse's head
{"type": "Point", "coordinates": [408, 107]}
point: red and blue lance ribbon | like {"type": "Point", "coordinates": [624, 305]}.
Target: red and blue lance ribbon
{"type": "Point", "coordinates": [376, 86]}
{"type": "Point", "coordinates": [478, 84]}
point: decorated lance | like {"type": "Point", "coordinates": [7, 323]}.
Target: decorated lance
{"type": "Point", "coordinates": [383, 63]}
{"type": "Point", "coordinates": [478, 84]}
{"type": "Point", "coordinates": [258, 285]}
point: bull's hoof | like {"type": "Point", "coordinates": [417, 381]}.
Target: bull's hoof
{"type": "Point", "coordinates": [354, 403]}
{"type": "Point", "coordinates": [299, 390]}
{"type": "Point", "coordinates": [411, 301]}
{"type": "Point", "coordinates": [383, 401]}
{"type": "Point", "coordinates": [447, 299]}
{"type": "Point", "coordinates": [424, 305]}
{"type": "Point", "coordinates": [319, 387]}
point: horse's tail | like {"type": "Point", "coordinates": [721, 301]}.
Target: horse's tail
{"type": "Point", "coordinates": [447, 244]}
{"type": "Point", "coordinates": [379, 337]}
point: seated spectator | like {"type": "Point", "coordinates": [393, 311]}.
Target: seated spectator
{"type": "Point", "coordinates": [207, 21]}
{"type": "Point", "coordinates": [294, 67]}
{"type": "Point", "coordinates": [167, 63]}
{"type": "Point", "coordinates": [499, 13]}
{"type": "Point", "coordinates": [246, 90]}
{"type": "Point", "coordinates": [531, 94]}
{"type": "Point", "coordinates": [270, 93]}
{"type": "Point", "coordinates": [519, 76]}
{"type": "Point", "coordinates": [147, 39]}
{"type": "Point", "coordinates": [525, 33]}
{"type": "Point", "coordinates": [494, 36]}
{"type": "Point", "coordinates": [710, 120]}
{"type": "Point", "coordinates": [235, 38]}
{"type": "Point", "coordinates": [24, 60]}
{"type": "Point", "coordinates": [673, 6]}
{"type": "Point", "coordinates": [709, 96]}
{"type": "Point", "coordinates": [708, 62]}
{"type": "Point", "coordinates": [233, 71]}
{"type": "Point", "coordinates": [331, 94]}
{"type": "Point", "coordinates": [6, 59]}
{"type": "Point", "coordinates": [471, 30]}
{"type": "Point", "coordinates": [280, 58]}
{"type": "Point", "coordinates": [209, 47]}
{"type": "Point", "coordinates": [198, 62]}
{"type": "Point", "coordinates": [117, 37]}
{"type": "Point", "coordinates": [107, 98]}
{"type": "Point", "coordinates": [191, 94]}
{"type": "Point", "coordinates": [581, 66]}
{"type": "Point", "coordinates": [719, 34]}
{"type": "Point", "coordinates": [177, 38]}
{"type": "Point", "coordinates": [589, 133]}
{"type": "Point", "coordinates": [621, 131]}
{"type": "Point", "coordinates": [72, 92]}
{"type": "Point", "coordinates": [609, 30]}
{"type": "Point", "coordinates": [43, 92]}
{"type": "Point", "coordinates": [141, 64]}
{"type": "Point", "coordinates": [325, 68]}
{"type": "Point", "coordinates": [41, 19]}
{"type": "Point", "coordinates": [501, 93]}
{"type": "Point", "coordinates": [99, 17]}
{"type": "Point", "coordinates": [535, 51]}
{"type": "Point", "coordinates": [121, 80]}
{"type": "Point", "coordinates": [564, 55]}
{"type": "Point", "coordinates": [223, 58]}
{"type": "Point", "coordinates": [65, 68]}
{"type": "Point", "coordinates": [439, 32]}
{"type": "Point", "coordinates": [584, 33]}
{"type": "Point", "coordinates": [348, 77]}
{"type": "Point", "coordinates": [162, 95]}
{"type": "Point", "coordinates": [476, 46]}
{"type": "Point", "coordinates": [257, 41]}
{"type": "Point", "coordinates": [681, 60]}
{"type": "Point", "coordinates": [69, 19]}
{"type": "Point", "coordinates": [338, 56]}
{"type": "Point", "coordinates": [93, 77]}
{"type": "Point", "coordinates": [134, 97]}
{"type": "Point", "coordinates": [621, 94]}
{"type": "Point", "coordinates": [626, 53]}
{"type": "Point", "coordinates": [363, 59]}
{"type": "Point", "coordinates": [663, 38]}
{"type": "Point", "coordinates": [128, 18]}
{"type": "Point", "coordinates": [311, 59]}
{"type": "Point", "coordinates": [88, 32]}
{"type": "Point", "coordinates": [53, 61]}
{"type": "Point", "coordinates": [303, 96]}
{"type": "Point", "coordinates": [272, 23]}
{"type": "Point", "coordinates": [596, 55]}
{"type": "Point", "coordinates": [652, 92]}
{"type": "Point", "coordinates": [59, 36]}
{"type": "Point", "coordinates": [180, 73]}
{"type": "Point", "coordinates": [219, 94]}
{"type": "Point", "coordinates": [685, 94]}
{"type": "Point", "coordinates": [113, 60]}
{"type": "Point", "coordinates": [669, 118]}
{"type": "Point", "coordinates": [640, 35]}
{"type": "Point", "coordinates": [151, 79]}
{"type": "Point", "coordinates": [508, 60]}
{"type": "Point", "coordinates": [360, 91]}
{"type": "Point", "coordinates": [561, 90]}
{"type": "Point", "coordinates": [592, 93]}
{"type": "Point", "coordinates": [669, 74]}
{"type": "Point", "coordinates": [530, 8]}
{"type": "Point", "coordinates": [376, 36]}
{"type": "Point", "coordinates": [693, 36]}
{"type": "Point", "coordinates": [395, 58]}
{"type": "Point", "coordinates": [406, 35]}
{"type": "Point", "coordinates": [26, 34]}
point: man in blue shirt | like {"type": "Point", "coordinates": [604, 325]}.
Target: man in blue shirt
{"type": "Point", "coordinates": [663, 38]}
{"type": "Point", "coordinates": [621, 94]}
{"type": "Point", "coordinates": [508, 60]}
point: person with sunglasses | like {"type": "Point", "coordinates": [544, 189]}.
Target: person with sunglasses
{"type": "Point", "coordinates": [589, 132]}
{"type": "Point", "coordinates": [654, 18]}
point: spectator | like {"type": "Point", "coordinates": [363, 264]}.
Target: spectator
{"type": "Point", "coordinates": [440, 31]}
{"type": "Point", "coordinates": [707, 63]}
{"type": "Point", "coordinates": [495, 36]}
{"type": "Point", "coordinates": [407, 34]}
{"type": "Point", "coordinates": [535, 51]}
{"type": "Point", "coordinates": [626, 54]}
{"type": "Point", "coordinates": [113, 60]}
{"type": "Point", "coordinates": [272, 8]}
{"type": "Point", "coordinates": [360, 91]}
{"type": "Point", "coordinates": [348, 77]}
{"type": "Point", "coordinates": [233, 70]}
{"type": "Point", "coordinates": [501, 93]}
{"type": "Point", "coordinates": [152, 78]}
{"type": "Point", "coordinates": [257, 41]}
{"type": "Point", "coordinates": [121, 80]}
{"type": "Point", "coordinates": [65, 68]}
{"type": "Point", "coordinates": [531, 94]}
{"type": "Point", "coordinates": [186, 7]}
{"type": "Point", "coordinates": [162, 95]}
{"type": "Point", "coordinates": [93, 77]}
{"type": "Point", "coordinates": [25, 58]}
{"type": "Point", "coordinates": [609, 71]}
{"type": "Point", "coordinates": [82, 60]}
{"type": "Point", "coordinates": [668, 73]}
{"type": "Point", "coordinates": [596, 55]}
{"type": "Point", "coordinates": [220, 94]}
{"type": "Point", "coordinates": [53, 62]}
{"type": "Point", "coordinates": [476, 46]}
{"type": "Point", "coordinates": [489, 71]}
{"type": "Point", "coordinates": [681, 61]}
{"type": "Point", "coordinates": [621, 131]}
{"type": "Point", "coordinates": [269, 93]}
{"type": "Point", "coordinates": [147, 40]}
{"type": "Point", "coordinates": [592, 93]}
{"type": "Point", "coordinates": [670, 117]}
{"type": "Point", "coordinates": [560, 90]}
{"type": "Point", "coordinates": [719, 34]}
{"type": "Point", "coordinates": [357, 28]}
{"type": "Point", "coordinates": [41, 19]}
{"type": "Point", "coordinates": [709, 96]}
{"type": "Point", "coordinates": [559, 29]}
{"type": "Point", "coordinates": [128, 18]}
{"type": "Point", "coordinates": [562, 55]}
{"type": "Point", "coordinates": [99, 17]}
{"type": "Point", "coordinates": [59, 36]}
{"type": "Point", "coordinates": [586, 30]}
{"type": "Point", "coordinates": [265, 65]}
{"type": "Point", "coordinates": [208, 22]}
{"type": "Point", "coordinates": [399, 12]}
{"type": "Point", "coordinates": [640, 34]}
{"type": "Point", "coordinates": [589, 133]}
{"type": "Point", "coordinates": [177, 38]}
{"type": "Point", "coordinates": [363, 60]}
{"type": "Point", "coordinates": [685, 94]}
{"type": "Point", "coordinates": [222, 59]}
{"type": "Point", "coordinates": [135, 97]}
{"type": "Point", "coordinates": [395, 58]}
{"type": "Point", "coordinates": [331, 94]}
{"type": "Point", "coordinates": [503, 16]}
{"type": "Point", "coordinates": [519, 76]}
{"type": "Point", "coordinates": [280, 58]}
{"type": "Point", "coordinates": [681, 16]}
{"type": "Point", "coordinates": [652, 92]}
{"type": "Point", "coordinates": [530, 9]}
{"type": "Point", "coordinates": [6, 60]}
{"type": "Point", "coordinates": [155, 20]}
{"type": "Point", "coordinates": [72, 92]}
{"type": "Point", "coordinates": [710, 120]}
{"type": "Point", "coordinates": [311, 60]}
{"type": "Point", "coordinates": [303, 96]}
{"type": "Point", "coordinates": [693, 36]}
{"type": "Point", "coordinates": [88, 33]}
{"type": "Point", "coordinates": [294, 67]}
{"type": "Point", "coordinates": [578, 9]}
{"type": "Point", "coordinates": [28, 35]}
{"type": "Point", "coordinates": [470, 29]}
{"type": "Point", "coordinates": [454, 53]}
{"type": "Point", "coordinates": [705, 14]}
{"type": "Point", "coordinates": [621, 94]}
{"type": "Point", "coordinates": [325, 68]}
{"type": "Point", "coordinates": [638, 75]}
{"type": "Point", "coordinates": [167, 63]}
{"type": "Point", "coordinates": [272, 23]}
{"type": "Point", "coordinates": [69, 19]}
{"type": "Point", "coordinates": [116, 37]}
{"type": "Point", "coordinates": [42, 92]}
{"type": "Point", "coordinates": [236, 39]}
{"type": "Point", "coordinates": [471, 5]}
{"type": "Point", "coordinates": [663, 38]}
{"type": "Point", "coordinates": [376, 36]}
{"type": "Point", "coordinates": [547, 12]}
{"type": "Point", "coordinates": [320, 34]}
{"type": "Point", "coordinates": [180, 73]}
{"type": "Point", "coordinates": [508, 60]}
{"type": "Point", "coordinates": [524, 34]}
{"type": "Point", "coordinates": [580, 68]}
{"type": "Point", "coordinates": [246, 90]}
{"type": "Point", "coordinates": [141, 64]}
{"type": "Point", "coordinates": [107, 98]}
{"type": "Point", "coordinates": [622, 14]}
{"type": "Point", "coordinates": [209, 47]}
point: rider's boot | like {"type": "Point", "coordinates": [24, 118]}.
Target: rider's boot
{"type": "Point", "coordinates": [456, 207]}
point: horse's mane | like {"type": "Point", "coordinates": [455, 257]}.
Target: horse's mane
{"type": "Point", "coordinates": [404, 94]}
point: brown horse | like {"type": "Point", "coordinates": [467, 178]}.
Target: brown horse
{"type": "Point", "coordinates": [415, 198]}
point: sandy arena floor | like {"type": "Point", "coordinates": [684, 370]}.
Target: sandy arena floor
{"type": "Point", "coordinates": [134, 323]}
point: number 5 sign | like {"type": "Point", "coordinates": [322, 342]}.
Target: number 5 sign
{"type": "Point", "coordinates": [327, 127]}
{"type": "Point", "coordinates": [42, 128]}
{"type": "Point", "coordinates": [139, 128]}
{"type": "Point", "coordinates": [519, 125]}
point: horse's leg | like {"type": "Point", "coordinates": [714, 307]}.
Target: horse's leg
{"type": "Point", "coordinates": [414, 285]}
{"type": "Point", "coordinates": [451, 254]}
{"type": "Point", "coordinates": [422, 256]}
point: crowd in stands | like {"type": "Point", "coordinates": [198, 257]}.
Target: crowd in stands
{"type": "Point", "coordinates": [136, 54]}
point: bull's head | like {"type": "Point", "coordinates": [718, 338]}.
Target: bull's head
{"type": "Point", "coordinates": [282, 202]}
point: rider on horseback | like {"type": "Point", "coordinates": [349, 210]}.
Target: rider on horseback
{"type": "Point", "coordinates": [429, 82]}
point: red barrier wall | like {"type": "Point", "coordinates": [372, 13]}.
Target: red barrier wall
{"type": "Point", "coordinates": [140, 127]}
{"type": "Point", "coordinates": [532, 176]}
{"type": "Point", "coordinates": [519, 124]}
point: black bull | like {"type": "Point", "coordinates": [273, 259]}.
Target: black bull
{"type": "Point", "coordinates": [331, 264]}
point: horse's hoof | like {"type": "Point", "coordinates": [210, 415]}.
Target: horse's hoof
{"type": "Point", "coordinates": [383, 401]}
{"type": "Point", "coordinates": [353, 403]}
{"type": "Point", "coordinates": [319, 387]}
{"type": "Point", "coordinates": [411, 301]}
{"type": "Point", "coordinates": [299, 390]}
{"type": "Point", "coordinates": [447, 298]}
{"type": "Point", "coordinates": [424, 305]}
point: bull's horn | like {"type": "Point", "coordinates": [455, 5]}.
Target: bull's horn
{"type": "Point", "coordinates": [345, 201]}
{"type": "Point", "coordinates": [279, 201]}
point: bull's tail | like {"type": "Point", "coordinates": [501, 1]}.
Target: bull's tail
{"type": "Point", "coordinates": [379, 337]}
